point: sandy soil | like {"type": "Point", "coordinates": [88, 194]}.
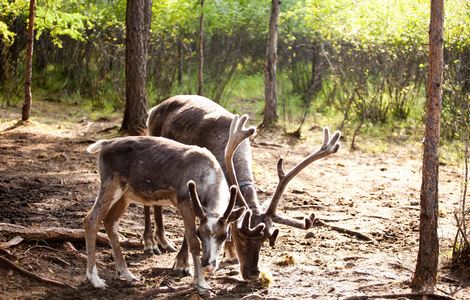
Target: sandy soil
{"type": "Point", "coordinates": [47, 180]}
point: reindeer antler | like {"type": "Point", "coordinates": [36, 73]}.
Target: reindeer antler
{"type": "Point", "coordinates": [237, 134]}
{"type": "Point", "coordinates": [329, 146]}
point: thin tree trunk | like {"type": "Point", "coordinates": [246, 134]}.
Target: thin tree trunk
{"type": "Point", "coordinates": [200, 73]}
{"type": "Point", "coordinates": [180, 62]}
{"type": "Point", "coordinates": [29, 64]}
{"type": "Point", "coordinates": [270, 95]}
{"type": "Point", "coordinates": [138, 15]}
{"type": "Point", "coordinates": [426, 267]}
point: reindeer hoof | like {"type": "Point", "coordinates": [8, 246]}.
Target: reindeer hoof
{"type": "Point", "coordinates": [156, 251]}
{"type": "Point", "coordinates": [98, 283]}
{"type": "Point", "coordinates": [232, 261]}
{"type": "Point", "coordinates": [148, 251]}
{"type": "Point", "coordinates": [169, 249]}
{"type": "Point", "coordinates": [182, 273]}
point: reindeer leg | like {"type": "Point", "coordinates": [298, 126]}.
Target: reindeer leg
{"type": "Point", "coordinates": [181, 265]}
{"type": "Point", "coordinates": [150, 244]}
{"type": "Point", "coordinates": [159, 234]}
{"type": "Point", "coordinates": [111, 223]}
{"type": "Point", "coordinates": [194, 246]}
{"type": "Point", "coordinates": [109, 192]}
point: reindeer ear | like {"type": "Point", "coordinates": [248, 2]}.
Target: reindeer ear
{"type": "Point", "coordinates": [198, 211]}
{"type": "Point", "coordinates": [272, 236]}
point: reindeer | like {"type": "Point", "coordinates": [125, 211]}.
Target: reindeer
{"type": "Point", "coordinates": [159, 171]}
{"type": "Point", "coordinates": [199, 121]}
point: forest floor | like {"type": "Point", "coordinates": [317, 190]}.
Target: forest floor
{"type": "Point", "coordinates": [48, 180]}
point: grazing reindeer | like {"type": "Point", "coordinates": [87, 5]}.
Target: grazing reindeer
{"type": "Point", "coordinates": [199, 121]}
{"type": "Point", "coordinates": [159, 171]}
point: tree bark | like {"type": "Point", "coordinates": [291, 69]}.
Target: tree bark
{"type": "Point", "coordinates": [200, 73]}
{"type": "Point", "coordinates": [138, 15]}
{"type": "Point", "coordinates": [28, 74]}
{"type": "Point", "coordinates": [270, 95]}
{"type": "Point", "coordinates": [426, 267]}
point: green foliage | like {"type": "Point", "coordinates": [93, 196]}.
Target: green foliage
{"type": "Point", "coordinates": [367, 58]}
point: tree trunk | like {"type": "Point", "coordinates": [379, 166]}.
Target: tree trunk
{"type": "Point", "coordinates": [28, 74]}
{"type": "Point", "coordinates": [180, 63]}
{"type": "Point", "coordinates": [138, 15]}
{"type": "Point", "coordinates": [200, 74]}
{"type": "Point", "coordinates": [426, 267]}
{"type": "Point", "coordinates": [270, 105]}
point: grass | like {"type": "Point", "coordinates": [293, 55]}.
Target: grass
{"type": "Point", "coordinates": [245, 94]}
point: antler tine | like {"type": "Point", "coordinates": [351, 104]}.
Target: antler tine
{"type": "Point", "coordinates": [246, 229]}
{"type": "Point", "coordinates": [237, 134]}
{"type": "Point", "coordinates": [329, 146]}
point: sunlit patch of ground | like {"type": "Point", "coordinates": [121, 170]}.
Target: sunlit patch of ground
{"type": "Point", "coordinates": [47, 179]}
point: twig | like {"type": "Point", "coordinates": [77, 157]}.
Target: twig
{"type": "Point", "coordinates": [40, 246]}
{"type": "Point", "coordinates": [352, 218]}
{"type": "Point", "coordinates": [395, 296]}
{"type": "Point", "coordinates": [9, 264]}
{"type": "Point", "coordinates": [57, 260]}
{"type": "Point", "coordinates": [461, 230]}
{"type": "Point", "coordinates": [356, 234]}
{"type": "Point", "coordinates": [297, 207]}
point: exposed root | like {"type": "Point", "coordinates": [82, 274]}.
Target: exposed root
{"type": "Point", "coordinates": [11, 265]}
{"type": "Point", "coordinates": [59, 234]}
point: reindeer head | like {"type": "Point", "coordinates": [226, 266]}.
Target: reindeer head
{"type": "Point", "coordinates": [257, 227]}
{"type": "Point", "coordinates": [213, 228]}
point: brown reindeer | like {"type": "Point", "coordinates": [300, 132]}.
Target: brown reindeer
{"type": "Point", "coordinates": [199, 121]}
{"type": "Point", "coordinates": [159, 171]}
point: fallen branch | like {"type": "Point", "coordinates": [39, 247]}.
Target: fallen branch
{"type": "Point", "coordinates": [299, 207]}
{"type": "Point", "coordinates": [176, 292]}
{"type": "Point", "coordinates": [403, 295]}
{"type": "Point", "coordinates": [60, 234]}
{"type": "Point", "coordinates": [358, 235]}
{"type": "Point", "coordinates": [9, 264]}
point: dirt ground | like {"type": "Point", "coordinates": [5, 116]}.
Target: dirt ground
{"type": "Point", "coordinates": [48, 180]}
